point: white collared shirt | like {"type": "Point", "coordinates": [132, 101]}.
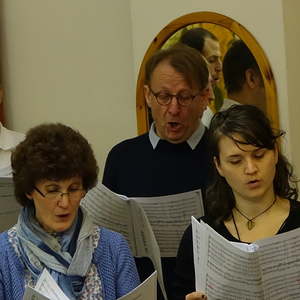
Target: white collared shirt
{"type": "Point", "coordinates": [208, 113]}
{"type": "Point", "coordinates": [192, 141]}
{"type": "Point", "coordinates": [8, 141]}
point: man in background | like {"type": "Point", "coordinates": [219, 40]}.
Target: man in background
{"type": "Point", "coordinates": [208, 45]}
{"type": "Point", "coordinates": [242, 76]}
{"type": "Point", "coordinates": [172, 157]}
{"type": "Point", "coordinates": [8, 141]}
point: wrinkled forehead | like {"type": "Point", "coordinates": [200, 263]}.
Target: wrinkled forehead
{"type": "Point", "coordinates": [165, 72]}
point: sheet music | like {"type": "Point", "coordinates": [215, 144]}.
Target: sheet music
{"type": "Point", "coordinates": [47, 287]}
{"type": "Point", "coordinates": [266, 269]}
{"type": "Point", "coordinates": [222, 270]}
{"type": "Point", "coordinates": [9, 207]}
{"type": "Point", "coordinates": [145, 291]}
{"type": "Point", "coordinates": [125, 215]}
{"type": "Point", "coordinates": [32, 294]}
{"type": "Point", "coordinates": [110, 211]}
{"type": "Point", "coordinates": [280, 265]}
{"type": "Point", "coordinates": [169, 216]}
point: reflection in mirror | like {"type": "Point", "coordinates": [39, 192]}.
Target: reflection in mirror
{"type": "Point", "coordinates": [257, 80]}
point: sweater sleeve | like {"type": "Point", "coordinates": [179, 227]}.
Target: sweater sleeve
{"type": "Point", "coordinates": [184, 270]}
{"type": "Point", "coordinates": [116, 265]}
{"type": "Point", "coordinates": [128, 277]}
{"type": "Point", "coordinates": [1, 287]}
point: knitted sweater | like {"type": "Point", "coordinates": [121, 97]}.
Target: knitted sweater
{"type": "Point", "coordinates": [133, 168]}
{"type": "Point", "coordinates": [111, 257]}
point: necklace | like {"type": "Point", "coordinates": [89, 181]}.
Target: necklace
{"type": "Point", "coordinates": [250, 223]}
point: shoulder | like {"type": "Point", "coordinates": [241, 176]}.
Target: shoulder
{"type": "Point", "coordinates": [11, 138]}
{"type": "Point", "coordinates": [207, 116]}
{"type": "Point", "coordinates": [112, 243]}
{"type": "Point", "coordinates": [133, 142]}
{"type": "Point", "coordinates": [293, 220]}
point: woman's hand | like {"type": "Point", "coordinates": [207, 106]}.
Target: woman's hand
{"type": "Point", "coordinates": [196, 296]}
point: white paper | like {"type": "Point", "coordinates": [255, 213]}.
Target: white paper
{"type": "Point", "coordinates": [169, 216]}
{"type": "Point", "coordinates": [147, 290]}
{"type": "Point", "coordinates": [32, 294]}
{"type": "Point", "coordinates": [126, 216]}
{"type": "Point", "coordinates": [266, 269]}
{"type": "Point", "coordinates": [48, 287]}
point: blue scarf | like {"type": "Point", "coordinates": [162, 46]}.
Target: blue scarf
{"type": "Point", "coordinates": [67, 256]}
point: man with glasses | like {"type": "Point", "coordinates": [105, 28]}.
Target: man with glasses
{"type": "Point", "coordinates": [172, 157]}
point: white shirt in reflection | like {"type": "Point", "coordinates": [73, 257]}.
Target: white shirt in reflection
{"type": "Point", "coordinates": [8, 141]}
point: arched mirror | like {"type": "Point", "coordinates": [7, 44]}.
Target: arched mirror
{"type": "Point", "coordinates": [225, 29]}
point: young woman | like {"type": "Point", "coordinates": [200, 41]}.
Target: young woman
{"type": "Point", "coordinates": [253, 193]}
{"type": "Point", "coordinates": [52, 170]}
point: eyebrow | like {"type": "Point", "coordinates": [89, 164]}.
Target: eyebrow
{"type": "Point", "coordinates": [233, 156]}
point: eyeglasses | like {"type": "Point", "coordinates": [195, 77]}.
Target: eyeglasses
{"type": "Point", "coordinates": [74, 194]}
{"type": "Point", "coordinates": [183, 99]}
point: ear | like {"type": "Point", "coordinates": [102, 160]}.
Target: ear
{"type": "Point", "coordinates": [252, 79]}
{"type": "Point", "coordinates": [29, 196]}
{"type": "Point", "coordinates": [218, 167]}
{"type": "Point", "coordinates": [147, 94]}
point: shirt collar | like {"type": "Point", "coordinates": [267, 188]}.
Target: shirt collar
{"type": "Point", "coordinates": [192, 141]}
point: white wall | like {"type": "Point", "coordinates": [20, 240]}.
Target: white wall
{"type": "Point", "coordinates": [77, 61]}
{"type": "Point", "coordinates": [69, 61]}
{"type": "Point", "coordinates": [264, 19]}
{"type": "Point", "coordinates": [291, 10]}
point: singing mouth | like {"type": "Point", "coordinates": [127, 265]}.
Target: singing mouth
{"type": "Point", "coordinates": [174, 125]}
{"type": "Point", "coordinates": [253, 183]}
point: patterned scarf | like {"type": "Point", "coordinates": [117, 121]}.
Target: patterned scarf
{"type": "Point", "coordinates": [67, 256]}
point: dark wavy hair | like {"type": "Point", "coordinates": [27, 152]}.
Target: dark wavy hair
{"type": "Point", "coordinates": [255, 129]}
{"type": "Point", "coordinates": [52, 152]}
{"type": "Point", "coordinates": [237, 60]}
{"type": "Point", "coordinates": [196, 37]}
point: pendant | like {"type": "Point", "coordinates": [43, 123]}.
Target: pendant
{"type": "Point", "coordinates": [250, 224]}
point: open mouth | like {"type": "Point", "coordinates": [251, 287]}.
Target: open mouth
{"type": "Point", "coordinates": [253, 183]}
{"type": "Point", "coordinates": [174, 125]}
{"type": "Point", "coordinates": [63, 216]}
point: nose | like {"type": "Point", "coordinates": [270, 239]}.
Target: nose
{"type": "Point", "coordinates": [250, 167]}
{"type": "Point", "coordinates": [174, 106]}
{"type": "Point", "coordinates": [218, 67]}
{"type": "Point", "coordinates": [64, 200]}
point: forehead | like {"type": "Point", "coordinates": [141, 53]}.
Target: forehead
{"type": "Point", "coordinates": [228, 147]}
{"type": "Point", "coordinates": [211, 48]}
{"type": "Point", "coordinates": [165, 76]}
{"type": "Point", "coordinates": [61, 183]}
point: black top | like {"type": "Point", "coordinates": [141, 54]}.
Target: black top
{"type": "Point", "coordinates": [185, 272]}
{"type": "Point", "coordinates": [133, 168]}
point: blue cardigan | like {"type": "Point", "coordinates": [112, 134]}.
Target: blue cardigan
{"type": "Point", "coordinates": [112, 258]}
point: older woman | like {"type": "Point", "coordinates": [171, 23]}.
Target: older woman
{"type": "Point", "coordinates": [52, 170]}
{"type": "Point", "coordinates": [253, 194]}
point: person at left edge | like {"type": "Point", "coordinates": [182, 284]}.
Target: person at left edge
{"type": "Point", "coordinates": [52, 170]}
{"type": "Point", "coordinates": [172, 157]}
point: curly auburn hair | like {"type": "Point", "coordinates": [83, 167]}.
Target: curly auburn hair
{"type": "Point", "coordinates": [52, 152]}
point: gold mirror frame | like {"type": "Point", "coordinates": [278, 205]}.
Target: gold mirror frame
{"type": "Point", "coordinates": [218, 19]}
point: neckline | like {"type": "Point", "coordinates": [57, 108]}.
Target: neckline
{"type": "Point", "coordinates": [282, 226]}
